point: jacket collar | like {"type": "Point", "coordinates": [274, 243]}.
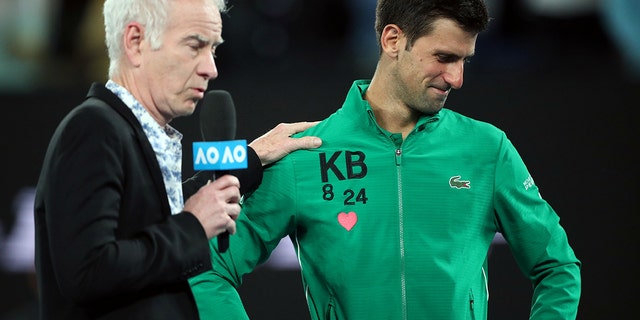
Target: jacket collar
{"type": "Point", "coordinates": [355, 105]}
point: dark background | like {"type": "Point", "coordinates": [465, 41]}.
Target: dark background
{"type": "Point", "coordinates": [559, 85]}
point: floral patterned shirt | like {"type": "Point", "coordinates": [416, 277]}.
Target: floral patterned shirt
{"type": "Point", "coordinates": [166, 143]}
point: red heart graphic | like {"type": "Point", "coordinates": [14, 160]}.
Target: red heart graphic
{"type": "Point", "coordinates": [347, 220]}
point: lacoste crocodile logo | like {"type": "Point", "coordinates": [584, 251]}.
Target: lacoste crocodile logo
{"type": "Point", "coordinates": [455, 182]}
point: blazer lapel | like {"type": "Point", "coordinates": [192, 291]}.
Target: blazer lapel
{"type": "Point", "coordinates": [100, 92]}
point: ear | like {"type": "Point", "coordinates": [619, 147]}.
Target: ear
{"type": "Point", "coordinates": [133, 39]}
{"type": "Point", "coordinates": [392, 40]}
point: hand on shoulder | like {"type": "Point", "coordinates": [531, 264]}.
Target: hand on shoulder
{"type": "Point", "coordinates": [277, 142]}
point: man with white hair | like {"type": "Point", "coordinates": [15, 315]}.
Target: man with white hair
{"type": "Point", "coordinates": [114, 238]}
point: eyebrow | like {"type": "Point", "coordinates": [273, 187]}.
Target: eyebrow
{"type": "Point", "coordinates": [453, 55]}
{"type": "Point", "coordinates": [204, 40]}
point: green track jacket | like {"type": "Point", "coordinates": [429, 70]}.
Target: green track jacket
{"type": "Point", "coordinates": [392, 229]}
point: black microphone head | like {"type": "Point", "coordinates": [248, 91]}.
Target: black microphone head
{"type": "Point", "coordinates": [217, 116]}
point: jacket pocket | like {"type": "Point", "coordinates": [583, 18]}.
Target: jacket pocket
{"type": "Point", "coordinates": [330, 314]}
{"type": "Point", "coordinates": [472, 314]}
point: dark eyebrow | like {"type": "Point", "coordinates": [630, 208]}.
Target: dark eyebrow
{"type": "Point", "coordinates": [453, 57]}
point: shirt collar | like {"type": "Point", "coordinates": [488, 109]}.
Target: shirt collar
{"type": "Point", "coordinates": [150, 126]}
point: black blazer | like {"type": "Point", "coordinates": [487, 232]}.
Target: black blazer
{"type": "Point", "coordinates": [107, 246]}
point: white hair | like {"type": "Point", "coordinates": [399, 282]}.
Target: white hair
{"type": "Point", "coordinates": [152, 14]}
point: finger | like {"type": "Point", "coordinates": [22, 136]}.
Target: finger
{"type": "Point", "coordinates": [222, 191]}
{"type": "Point", "coordinates": [233, 211]}
{"type": "Point", "coordinates": [231, 227]}
{"type": "Point", "coordinates": [301, 126]}
{"type": "Point", "coordinates": [305, 143]}
{"type": "Point", "coordinates": [226, 181]}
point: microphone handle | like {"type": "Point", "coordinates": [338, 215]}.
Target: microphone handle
{"type": "Point", "coordinates": [223, 241]}
{"type": "Point", "coordinates": [223, 238]}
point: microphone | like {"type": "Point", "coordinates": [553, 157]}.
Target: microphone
{"type": "Point", "coordinates": [217, 116]}
{"type": "Point", "coordinates": [218, 124]}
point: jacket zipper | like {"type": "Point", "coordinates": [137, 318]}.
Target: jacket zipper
{"type": "Point", "coordinates": [403, 280]}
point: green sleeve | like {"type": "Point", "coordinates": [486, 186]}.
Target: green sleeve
{"type": "Point", "coordinates": [216, 298]}
{"type": "Point", "coordinates": [267, 216]}
{"type": "Point", "coordinates": [536, 238]}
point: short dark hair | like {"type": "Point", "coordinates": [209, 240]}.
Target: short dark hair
{"type": "Point", "coordinates": [416, 17]}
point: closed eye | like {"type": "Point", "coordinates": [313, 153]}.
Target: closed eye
{"type": "Point", "coordinates": [452, 58]}
{"type": "Point", "coordinates": [448, 58]}
{"type": "Point", "coordinates": [198, 43]}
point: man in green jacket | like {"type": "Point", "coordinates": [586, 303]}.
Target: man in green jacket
{"type": "Point", "coordinates": [393, 216]}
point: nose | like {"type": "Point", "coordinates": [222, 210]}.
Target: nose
{"type": "Point", "coordinates": [454, 75]}
{"type": "Point", "coordinates": [207, 68]}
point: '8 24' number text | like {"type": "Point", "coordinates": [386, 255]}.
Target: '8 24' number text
{"type": "Point", "coordinates": [350, 196]}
